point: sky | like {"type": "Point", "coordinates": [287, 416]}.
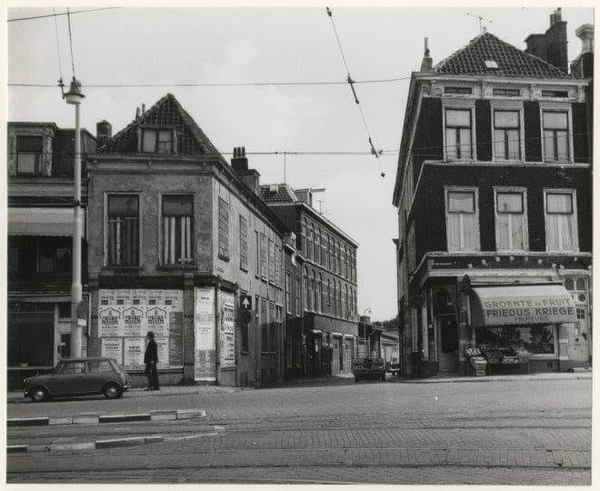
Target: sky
{"type": "Point", "coordinates": [203, 45]}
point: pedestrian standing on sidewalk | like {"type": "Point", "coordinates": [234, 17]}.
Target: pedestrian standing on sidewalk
{"type": "Point", "coordinates": [151, 359]}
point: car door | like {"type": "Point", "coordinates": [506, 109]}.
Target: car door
{"type": "Point", "coordinates": [67, 378]}
{"type": "Point", "coordinates": [98, 373]}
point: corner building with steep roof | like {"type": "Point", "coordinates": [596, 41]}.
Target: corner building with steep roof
{"type": "Point", "coordinates": [176, 239]}
{"type": "Point", "coordinates": [493, 191]}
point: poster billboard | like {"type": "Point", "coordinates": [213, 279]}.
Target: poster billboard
{"type": "Point", "coordinates": [227, 330]}
{"type": "Point", "coordinates": [113, 348]}
{"type": "Point", "coordinates": [204, 334]}
{"type": "Point", "coordinates": [134, 353]}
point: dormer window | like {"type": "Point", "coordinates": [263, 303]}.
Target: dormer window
{"type": "Point", "coordinates": [29, 154]}
{"type": "Point", "coordinates": [491, 64]}
{"type": "Point", "coordinates": [157, 140]}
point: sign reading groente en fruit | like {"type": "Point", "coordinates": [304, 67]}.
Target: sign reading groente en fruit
{"type": "Point", "coordinates": [515, 305]}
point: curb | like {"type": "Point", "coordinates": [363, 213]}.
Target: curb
{"type": "Point", "coordinates": [100, 444]}
{"type": "Point", "coordinates": [488, 379]}
{"type": "Point", "coordinates": [96, 418]}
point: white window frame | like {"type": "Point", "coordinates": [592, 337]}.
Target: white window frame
{"type": "Point", "coordinates": [449, 189]}
{"type": "Point", "coordinates": [573, 194]}
{"type": "Point", "coordinates": [159, 218]}
{"type": "Point", "coordinates": [105, 231]}
{"type": "Point", "coordinates": [509, 105]}
{"type": "Point", "coordinates": [557, 107]}
{"type": "Point", "coordinates": [460, 105]}
{"type": "Point", "coordinates": [523, 192]}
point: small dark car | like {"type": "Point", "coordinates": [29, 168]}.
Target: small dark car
{"type": "Point", "coordinates": [78, 376]}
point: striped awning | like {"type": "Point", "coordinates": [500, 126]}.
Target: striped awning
{"type": "Point", "coordinates": [41, 221]}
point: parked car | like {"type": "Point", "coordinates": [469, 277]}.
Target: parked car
{"type": "Point", "coordinates": [78, 376]}
{"type": "Point", "coordinates": [368, 368]}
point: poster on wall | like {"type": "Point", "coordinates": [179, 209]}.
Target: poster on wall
{"type": "Point", "coordinates": [227, 330]}
{"type": "Point", "coordinates": [204, 334]}
{"type": "Point", "coordinates": [162, 347]}
{"type": "Point", "coordinates": [129, 314]}
{"type": "Point", "coordinates": [134, 353]}
{"type": "Point", "coordinates": [112, 348]}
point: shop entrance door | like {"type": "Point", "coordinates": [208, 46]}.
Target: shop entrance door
{"type": "Point", "coordinates": [448, 349]}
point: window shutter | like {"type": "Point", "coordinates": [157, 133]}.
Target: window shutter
{"type": "Point", "coordinates": [483, 114]}
{"type": "Point", "coordinates": [580, 136]}
{"type": "Point", "coordinates": [533, 134]}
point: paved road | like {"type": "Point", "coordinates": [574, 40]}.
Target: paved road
{"type": "Point", "coordinates": [514, 432]}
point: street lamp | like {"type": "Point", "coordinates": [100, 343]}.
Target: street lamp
{"type": "Point", "coordinates": [75, 98]}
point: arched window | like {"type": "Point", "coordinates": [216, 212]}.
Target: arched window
{"type": "Point", "coordinates": [303, 235]}
{"type": "Point", "coordinates": [309, 245]}
{"type": "Point", "coordinates": [331, 254]}
{"type": "Point", "coordinates": [345, 302]}
{"type": "Point", "coordinates": [317, 253]}
{"type": "Point", "coordinates": [339, 259]}
{"type": "Point", "coordinates": [324, 241]}
{"type": "Point", "coordinates": [306, 291]}
{"type": "Point", "coordinates": [313, 287]}
{"type": "Point", "coordinates": [321, 293]}
{"type": "Point", "coordinates": [334, 298]}
{"type": "Point", "coordinates": [329, 293]}
{"type": "Point", "coordinates": [340, 299]}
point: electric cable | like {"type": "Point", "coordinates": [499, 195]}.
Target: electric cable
{"type": "Point", "coordinates": [57, 45]}
{"type": "Point", "coordinates": [71, 43]}
{"type": "Point", "coordinates": [59, 14]}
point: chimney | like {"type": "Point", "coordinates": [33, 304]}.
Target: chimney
{"type": "Point", "coordinates": [556, 39]}
{"type": "Point", "coordinates": [103, 132]}
{"type": "Point", "coordinates": [536, 45]}
{"type": "Point", "coordinates": [250, 177]}
{"type": "Point", "coordinates": [427, 63]}
{"type": "Point", "coordinates": [583, 65]}
{"type": "Point", "coordinates": [143, 109]}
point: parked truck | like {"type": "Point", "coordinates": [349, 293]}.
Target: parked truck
{"type": "Point", "coordinates": [367, 364]}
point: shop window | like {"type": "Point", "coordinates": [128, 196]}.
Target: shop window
{"type": "Point", "coordinates": [177, 220]}
{"type": "Point", "coordinates": [556, 136]}
{"type": "Point", "coordinates": [29, 154]}
{"type": "Point", "coordinates": [536, 339]}
{"type": "Point", "coordinates": [123, 230]}
{"type": "Point", "coordinates": [511, 221]}
{"type": "Point", "coordinates": [462, 220]}
{"type": "Point", "coordinates": [156, 140]}
{"type": "Point", "coordinates": [223, 229]}
{"type": "Point", "coordinates": [507, 140]}
{"type": "Point", "coordinates": [458, 134]}
{"type": "Point", "coordinates": [243, 243]}
{"type": "Point", "coordinates": [561, 221]}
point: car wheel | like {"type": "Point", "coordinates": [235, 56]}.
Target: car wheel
{"type": "Point", "coordinates": [39, 394]}
{"type": "Point", "coordinates": [112, 391]}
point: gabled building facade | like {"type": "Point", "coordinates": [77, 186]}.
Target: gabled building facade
{"type": "Point", "coordinates": [40, 243]}
{"type": "Point", "coordinates": [322, 315]}
{"type": "Point", "coordinates": [177, 236]}
{"type": "Point", "coordinates": [494, 202]}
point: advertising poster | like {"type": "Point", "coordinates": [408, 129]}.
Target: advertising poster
{"type": "Point", "coordinates": [227, 330]}
{"type": "Point", "coordinates": [125, 316]}
{"type": "Point", "coordinates": [134, 353]}
{"type": "Point", "coordinates": [204, 334]}
{"type": "Point", "coordinates": [112, 348]}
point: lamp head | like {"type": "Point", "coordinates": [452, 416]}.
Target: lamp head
{"type": "Point", "coordinates": [74, 96]}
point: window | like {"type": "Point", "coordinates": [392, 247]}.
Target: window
{"type": "Point", "coordinates": [303, 233]}
{"type": "Point", "coordinates": [297, 297]}
{"type": "Point", "coordinates": [272, 328]}
{"type": "Point", "coordinates": [277, 266]}
{"type": "Point", "coordinates": [555, 93]}
{"type": "Point", "coordinates": [332, 254]}
{"type": "Point", "coordinates": [334, 298]}
{"type": "Point", "coordinates": [309, 239]}
{"type": "Point", "coordinates": [157, 140]}
{"type": "Point", "coordinates": [263, 256]}
{"type": "Point", "coordinates": [338, 251]}
{"type": "Point", "coordinates": [561, 221]}
{"type": "Point", "coordinates": [72, 367]}
{"type": "Point", "coordinates": [329, 293]}
{"type": "Point", "coordinates": [321, 293]}
{"type": "Point", "coordinates": [458, 90]}
{"type": "Point", "coordinates": [223, 229]}
{"type": "Point", "coordinates": [243, 243]}
{"type": "Point", "coordinates": [345, 305]}
{"type": "Point", "coordinates": [244, 326]}
{"type": "Point", "coordinates": [324, 242]}
{"type": "Point", "coordinates": [257, 245]}
{"type": "Point", "coordinates": [511, 221]}
{"type": "Point", "coordinates": [271, 261]}
{"type": "Point", "coordinates": [339, 289]}
{"type": "Point", "coordinates": [264, 326]}
{"type": "Point", "coordinates": [537, 339]}
{"type": "Point", "coordinates": [462, 220]}
{"type": "Point", "coordinates": [315, 292]}
{"type": "Point", "coordinates": [288, 292]}
{"type": "Point", "coordinates": [29, 154]}
{"type": "Point", "coordinates": [177, 219]}
{"type": "Point", "coordinates": [507, 92]}
{"type": "Point", "coordinates": [123, 230]}
{"type": "Point", "coordinates": [458, 134]}
{"type": "Point", "coordinates": [317, 254]}
{"type": "Point", "coordinates": [556, 136]}
{"type": "Point", "coordinates": [306, 291]}
{"type": "Point", "coordinates": [507, 141]}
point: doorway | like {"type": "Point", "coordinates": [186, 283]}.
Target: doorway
{"type": "Point", "coordinates": [448, 348]}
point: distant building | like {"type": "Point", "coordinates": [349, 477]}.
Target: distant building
{"type": "Point", "coordinates": [495, 207]}
{"type": "Point", "coordinates": [322, 320]}
{"type": "Point", "coordinates": [40, 231]}
{"type": "Point", "coordinates": [177, 237]}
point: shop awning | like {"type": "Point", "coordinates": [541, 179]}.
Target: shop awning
{"type": "Point", "coordinates": [41, 221]}
{"type": "Point", "coordinates": [522, 304]}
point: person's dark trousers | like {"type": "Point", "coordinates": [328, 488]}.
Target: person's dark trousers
{"type": "Point", "coordinates": [152, 375]}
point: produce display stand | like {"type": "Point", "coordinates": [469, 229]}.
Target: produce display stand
{"type": "Point", "coordinates": [478, 362]}
{"type": "Point", "coordinates": [505, 356]}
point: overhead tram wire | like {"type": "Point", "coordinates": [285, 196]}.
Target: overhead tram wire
{"type": "Point", "coordinates": [57, 45]}
{"type": "Point", "coordinates": [71, 43]}
{"type": "Point", "coordinates": [60, 14]}
{"type": "Point", "coordinates": [351, 83]}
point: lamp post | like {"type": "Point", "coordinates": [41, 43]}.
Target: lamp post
{"type": "Point", "coordinates": [75, 97]}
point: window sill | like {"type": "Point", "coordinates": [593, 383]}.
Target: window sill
{"type": "Point", "coordinates": [171, 267]}
{"type": "Point", "coordinates": [245, 270]}
{"type": "Point", "coordinates": [223, 257]}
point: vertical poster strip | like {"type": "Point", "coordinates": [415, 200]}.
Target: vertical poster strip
{"type": "Point", "coordinates": [227, 330]}
{"type": "Point", "coordinates": [176, 338]}
{"type": "Point", "coordinates": [204, 334]}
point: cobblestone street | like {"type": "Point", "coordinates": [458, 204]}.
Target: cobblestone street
{"type": "Point", "coordinates": [513, 432]}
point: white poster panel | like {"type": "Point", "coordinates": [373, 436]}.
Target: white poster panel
{"type": "Point", "coordinates": [132, 321]}
{"type": "Point", "coordinates": [112, 348]}
{"type": "Point", "coordinates": [162, 346]}
{"type": "Point", "coordinates": [109, 322]}
{"type": "Point", "coordinates": [227, 330]}
{"type": "Point", "coordinates": [134, 353]}
{"type": "Point", "coordinates": [156, 318]}
{"type": "Point", "coordinates": [204, 334]}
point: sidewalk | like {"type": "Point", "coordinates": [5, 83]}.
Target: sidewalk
{"type": "Point", "coordinates": [442, 379]}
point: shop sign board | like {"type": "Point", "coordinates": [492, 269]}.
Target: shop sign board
{"type": "Point", "coordinates": [227, 330]}
{"type": "Point", "coordinates": [205, 355]}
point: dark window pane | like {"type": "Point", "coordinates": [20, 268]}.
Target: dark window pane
{"type": "Point", "coordinates": [121, 205]}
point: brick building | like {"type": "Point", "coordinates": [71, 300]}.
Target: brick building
{"type": "Point", "coordinates": [322, 320]}
{"type": "Point", "coordinates": [176, 235]}
{"type": "Point", "coordinates": [494, 202]}
{"type": "Point", "coordinates": [40, 231]}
